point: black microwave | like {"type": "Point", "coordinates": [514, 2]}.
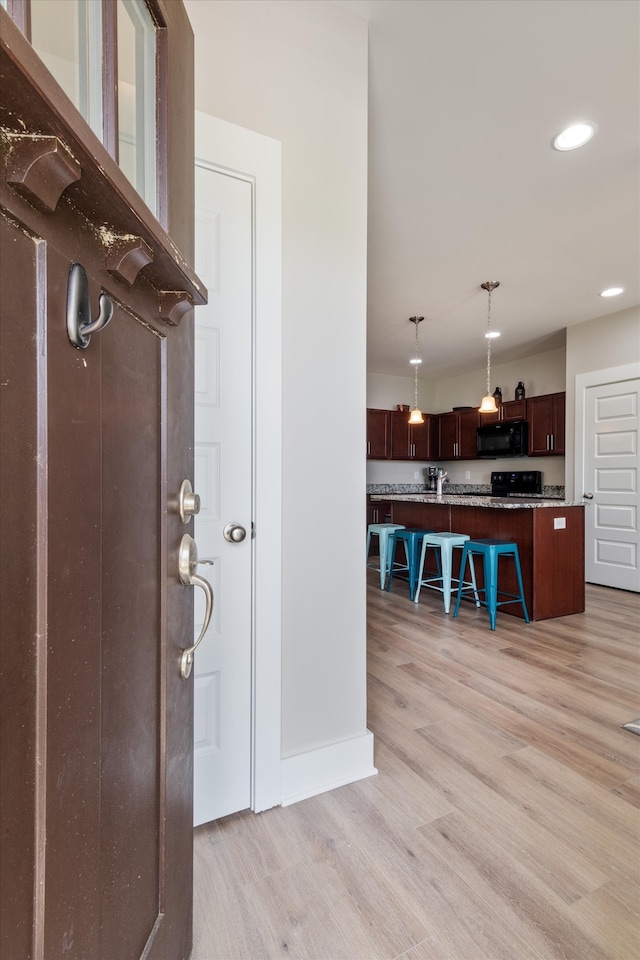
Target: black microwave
{"type": "Point", "coordinates": [503, 439]}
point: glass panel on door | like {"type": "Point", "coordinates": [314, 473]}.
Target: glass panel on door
{"type": "Point", "coordinates": [137, 97]}
{"type": "Point", "coordinates": [67, 36]}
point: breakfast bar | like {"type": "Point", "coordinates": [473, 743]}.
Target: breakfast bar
{"type": "Point", "coordinates": [549, 534]}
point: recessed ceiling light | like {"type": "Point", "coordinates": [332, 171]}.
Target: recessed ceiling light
{"type": "Point", "coordinates": [575, 136]}
{"type": "Point", "coordinates": [415, 360]}
{"type": "Point", "coordinates": [612, 292]}
{"type": "Point", "coordinates": [492, 334]}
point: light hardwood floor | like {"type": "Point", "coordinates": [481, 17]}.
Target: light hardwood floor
{"type": "Point", "coordinates": [503, 823]}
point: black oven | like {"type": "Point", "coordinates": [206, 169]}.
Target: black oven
{"type": "Point", "coordinates": [503, 439]}
{"type": "Point", "coordinates": [505, 482]}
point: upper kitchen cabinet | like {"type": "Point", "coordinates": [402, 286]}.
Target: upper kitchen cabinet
{"type": "Point", "coordinates": [413, 441]}
{"type": "Point", "coordinates": [509, 410]}
{"type": "Point", "coordinates": [457, 434]}
{"type": "Point", "coordinates": [546, 416]}
{"type": "Point", "coordinates": [378, 434]}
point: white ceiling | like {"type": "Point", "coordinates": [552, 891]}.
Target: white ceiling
{"type": "Point", "coordinates": [465, 97]}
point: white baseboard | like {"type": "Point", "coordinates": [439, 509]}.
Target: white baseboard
{"type": "Point", "coordinates": [308, 774]}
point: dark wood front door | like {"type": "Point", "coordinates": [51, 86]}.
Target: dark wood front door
{"type": "Point", "coordinates": [96, 720]}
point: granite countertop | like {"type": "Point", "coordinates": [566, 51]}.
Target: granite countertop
{"type": "Point", "coordinates": [471, 500]}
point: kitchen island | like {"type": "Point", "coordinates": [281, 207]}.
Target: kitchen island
{"type": "Point", "coordinates": [549, 534]}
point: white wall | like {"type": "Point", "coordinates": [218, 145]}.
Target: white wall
{"type": "Point", "coordinates": [542, 373]}
{"type": "Point", "coordinates": [611, 341]}
{"type": "Point", "coordinates": [386, 392]}
{"type": "Point", "coordinates": [298, 72]}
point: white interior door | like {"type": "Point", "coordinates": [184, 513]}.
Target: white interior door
{"type": "Point", "coordinates": [611, 476]}
{"type": "Point", "coordinates": [238, 362]}
{"type": "Point", "coordinates": [223, 479]}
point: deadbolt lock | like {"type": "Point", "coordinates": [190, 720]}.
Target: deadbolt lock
{"type": "Point", "coordinates": [188, 502]}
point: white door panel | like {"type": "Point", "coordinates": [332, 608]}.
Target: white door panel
{"type": "Point", "coordinates": [611, 476]}
{"type": "Point", "coordinates": [223, 479]}
{"type": "Point", "coordinates": [237, 767]}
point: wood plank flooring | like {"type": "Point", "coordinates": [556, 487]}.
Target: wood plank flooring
{"type": "Point", "coordinates": [503, 823]}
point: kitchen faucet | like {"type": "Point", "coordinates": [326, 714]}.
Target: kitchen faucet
{"type": "Point", "coordinates": [442, 476]}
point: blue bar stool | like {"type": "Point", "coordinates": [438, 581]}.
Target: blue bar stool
{"type": "Point", "coordinates": [445, 542]}
{"type": "Point", "coordinates": [490, 550]}
{"type": "Point", "coordinates": [411, 539]}
{"type": "Point", "coordinates": [382, 531]}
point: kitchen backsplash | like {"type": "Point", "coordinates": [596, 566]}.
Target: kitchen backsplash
{"type": "Point", "coordinates": [551, 491]}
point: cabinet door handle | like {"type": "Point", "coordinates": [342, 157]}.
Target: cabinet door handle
{"type": "Point", "coordinates": [368, 447]}
{"type": "Point", "coordinates": [553, 441]}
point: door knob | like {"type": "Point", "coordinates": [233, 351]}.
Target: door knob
{"type": "Point", "coordinates": [188, 502]}
{"type": "Point", "coordinates": [187, 564]}
{"type": "Point", "coordinates": [234, 532]}
{"type": "Point", "coordinates": [588, 496]}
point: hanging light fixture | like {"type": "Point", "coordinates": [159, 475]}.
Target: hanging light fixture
{"type": "Point", "coordinates": [488, 404]}
{"type": "Point", "coordinates": [416, 414]}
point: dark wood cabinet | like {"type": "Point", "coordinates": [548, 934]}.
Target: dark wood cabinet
{"type": "Point", "coordinates": [378, 511]}
{"type": "Point", "coordinates": [552, 557]}
{"type": "Point", "coordinates": [412, 441]}
{"type": "Point", "coordinates": [378, 434]}
{"type": "Point", "coordinates": [546, 416]}
{"type": "Point", "coordinates": [457, 435]}
{"type": "Point", "coordinates": [452, 436]}
{"type": "Point", "coordinates": [509, 410]}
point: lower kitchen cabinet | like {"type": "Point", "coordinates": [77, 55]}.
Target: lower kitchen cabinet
{"type": "Point", "coordinates": [378, 511]}
{"type": "Point", "coordinates": [546, 416]}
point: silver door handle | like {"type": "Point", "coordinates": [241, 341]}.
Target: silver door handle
{"type": "Point", "coordinates": [234, 532]}
{"type": "Point", "coordinates": [187, 563]}
{"type": "Point", "coordinates": [588, 496]}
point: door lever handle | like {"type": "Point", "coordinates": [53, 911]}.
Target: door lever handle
{"type": "Point", "coordinates": [79, 323]}
{"type": "Point", "coordinates": [187, 563]}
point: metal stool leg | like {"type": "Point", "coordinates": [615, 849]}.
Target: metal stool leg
{"type": "Point", "coordinates": [516, 557]}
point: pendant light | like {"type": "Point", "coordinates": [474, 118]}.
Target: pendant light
{"type": "Point", "coordinates": [488, 404]}
{"type": "Point", "coordinates": [416, 414]}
